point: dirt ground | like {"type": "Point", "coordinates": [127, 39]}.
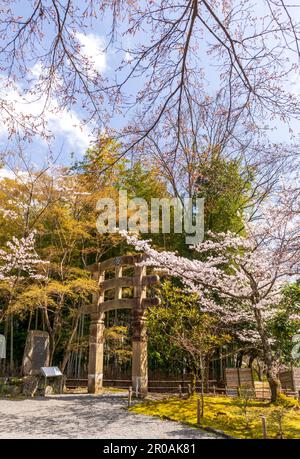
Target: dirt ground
{"type": "Point", "coordinates": [85, 416]}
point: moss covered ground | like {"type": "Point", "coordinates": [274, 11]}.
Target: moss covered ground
{"type": "Point", "coordinates": [237, 417]}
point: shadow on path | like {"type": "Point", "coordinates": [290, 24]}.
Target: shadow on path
{"type": "Point", "coordinates": [85, 416]}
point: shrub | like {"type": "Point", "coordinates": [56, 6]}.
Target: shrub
{"type": "Point", "coordinates": [287, 402]}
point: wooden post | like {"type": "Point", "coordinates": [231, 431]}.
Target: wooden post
{"type": "Point", "coordinates": [129, 395]}
{"type": "Point", "coordinates": [189, 390]}
{"type": "Point", "coordinates": [298, 395]}
{"type": "Point", "coordinates": [264, 426]}
{"type": "Point", "coordinates": [180, 390]}
{"type": "Point", "coordinates": [198, 411]}
{"type": "Point", "coordinates": [214, 389]}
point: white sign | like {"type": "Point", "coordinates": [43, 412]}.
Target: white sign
{"type": "Point", "coordinates": [51, 372]}
{"type": "Point", "coordinates": [2, 347]}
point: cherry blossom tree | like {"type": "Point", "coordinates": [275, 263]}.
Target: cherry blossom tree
{"type": "Point", "coordinates": [240, 279]}
{"type": "Point", "coordinates": [250, 47]}
{"type": "Point", "coordinates": [19, 262]}
{"type": "Point", "coordinates": [20, 259]}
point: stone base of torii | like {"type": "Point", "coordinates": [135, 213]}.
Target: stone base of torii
{"type": "Point", "coordinates": [138, 305]}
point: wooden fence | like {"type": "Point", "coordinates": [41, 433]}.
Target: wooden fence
{"type": "Point", "coordinates": [165, 385]}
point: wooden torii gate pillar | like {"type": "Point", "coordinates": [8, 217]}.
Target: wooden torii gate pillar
{"type": "Point", "coordinates": [138, 305]}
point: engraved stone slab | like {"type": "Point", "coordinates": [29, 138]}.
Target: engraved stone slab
{"type": "Point", "coordinates": [36, 353]}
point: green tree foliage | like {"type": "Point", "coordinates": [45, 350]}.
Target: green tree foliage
{"type": "Point", "coordinates": [61, 207]}
{"type": "Point", "coordinates": [118, 345]}
{"type": "Point", "coordinates": [287, 323]}
{"type": "Point", "coordinates": [180, 336]}
{"type": "Point", "coordinates": [226, 192]}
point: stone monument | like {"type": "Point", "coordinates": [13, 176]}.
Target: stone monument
{"type": "Point", "coordinates": [36, 353]}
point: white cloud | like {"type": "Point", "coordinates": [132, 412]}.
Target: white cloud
{"type": "Point", "coordinates": [92, 47]}
{"type": "Point", "coordinates": [13, 174]}
{"type": "Point", "coordinates": [68, 124]}
{"type": "Point", "coordinates": [5, 173]}
{"type": "Point", "coordinates": [36, 70]}
{"type": "Point", "coordinates": [60, 122]}
{"type": "Point", "coordinates": [127, 57]}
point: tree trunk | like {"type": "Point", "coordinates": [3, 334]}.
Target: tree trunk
{"type": "Point", "coordinates": [81, 329]}
{"type": "Point", "coordinates": [268, 358]}
{"type": "Point", "coordinates": [193, 382]}
{"type": "Point", "coordinates": [68, 350]}
{"type": "Point", "coordinates": [11, 361]}
{"type": "Point", "coordinates": [274, 384]}
{"type": "Point", "coordinates": [239, 359]}
{"type": "Point", "coordinates": [56, 330]}
{"type": "Point", "coordinates": [251, 359]}
{"type": "Point", "coordinates": [202, 373]}
{"type": "Point", "coordinates": [51, 335]}
{"type": "Point", "coordinates": [206, 371]}
{"type": "Point", "coordinates": [29, 322]}
{"type": "Point", "coordinates": [36, 318]}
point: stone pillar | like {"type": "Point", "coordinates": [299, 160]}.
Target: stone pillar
{"type": "Point", "coordinates": [139, 355]}
{"type": "Point", "coordinates": [96, 351]}
{"type": "Point", "coordinates": [139, 339]}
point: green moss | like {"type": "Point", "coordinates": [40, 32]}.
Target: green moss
{"type": "Point", "coordinates": [226, 414]}
{"type": "Point", "coordinates": [287, 402]}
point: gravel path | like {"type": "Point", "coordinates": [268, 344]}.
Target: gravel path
{"type": "Point", "coordinates": [85, 416]}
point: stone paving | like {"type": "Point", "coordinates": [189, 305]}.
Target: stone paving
{"type": "Point", "coordinates": [85, 416]}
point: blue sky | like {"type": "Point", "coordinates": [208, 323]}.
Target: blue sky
{"type": "Point", "coordinates": [70, 138]}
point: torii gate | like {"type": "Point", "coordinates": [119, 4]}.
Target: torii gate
{"type": "Point", "coordinates": [138, 304]}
